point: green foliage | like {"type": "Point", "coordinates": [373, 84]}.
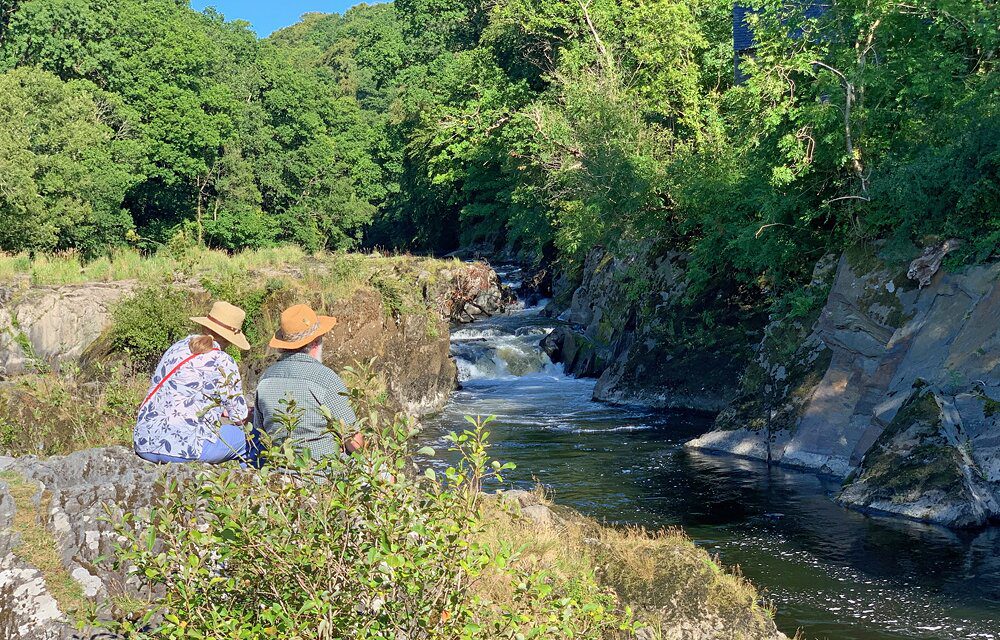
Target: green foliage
{"type": "Point", "coordinates": [245, 292]}
{"type": "Point", "coordinates": [546, 127]}
{"type": "Point", "coordinates": [64, 173]}
{"type": "Point", "coordinates": [148, 322]}
{"type": "Point", "coordinates": [357, 548]}
{"type": "Point", "coordinates": [152, 115]}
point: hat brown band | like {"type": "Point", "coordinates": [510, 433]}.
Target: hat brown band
{"type": "Point", "coordinates": [224, 326]}
{"type": "Point", "coordinates": [301, 334]}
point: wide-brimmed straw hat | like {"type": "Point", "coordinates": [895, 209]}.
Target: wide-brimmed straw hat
{"type": "Point", "coordinates": [227, 321]}
{"type": "Point", "coordinates": [299, 326]}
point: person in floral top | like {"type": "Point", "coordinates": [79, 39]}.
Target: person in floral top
{"type": "Point", "coordinates": [195, 408]}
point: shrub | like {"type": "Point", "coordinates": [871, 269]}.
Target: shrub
{"type": "Point", "coordinates": [56, 413]}
{"type": "Point", "coordinates": [149, 321]}
{"type": "Point", "coordinates": [356, 548]}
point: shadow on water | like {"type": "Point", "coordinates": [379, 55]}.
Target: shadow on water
{"type": "Point", "coordinates": [833, 572]}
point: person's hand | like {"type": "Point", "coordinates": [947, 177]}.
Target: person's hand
{"type": "Point", "coordinates": [355, 443]}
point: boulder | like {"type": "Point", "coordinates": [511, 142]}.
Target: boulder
{"type": "Point", "coordinates": [821, 393]}
{"type": "Point", "coordinates": [920, 467]}
{"type": "Point", "coordinates": [540, 515]}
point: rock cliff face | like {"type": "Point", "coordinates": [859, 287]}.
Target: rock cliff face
{"type": "Point", "coordinates": [627, 326]}
{"type": "Point", "coordinates": [43, 325]}
{"type": "Point", "coordinates": [894, 387]}
{"type": "Point", "coordinates": [51, 326]}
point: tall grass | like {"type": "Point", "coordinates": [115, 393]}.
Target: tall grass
{"type": "Point", "coordinates": [126, 264]}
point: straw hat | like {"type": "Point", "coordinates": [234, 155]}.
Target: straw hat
{"type": "Point", "coordinates": [227, 321]}
{"type": "Point", "coordinates": [299, 326]}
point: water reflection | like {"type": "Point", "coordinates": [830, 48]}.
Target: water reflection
{"type": "Point", "coordinates": [834, 573]}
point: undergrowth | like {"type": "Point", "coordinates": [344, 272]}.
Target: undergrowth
{"type": "Point", "coordinates": [57, 413]}
{"type": "Point", "coordinates": [358, 548]}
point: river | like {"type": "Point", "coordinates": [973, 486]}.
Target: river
{"type": "Point", "coordinates": [831, 572]}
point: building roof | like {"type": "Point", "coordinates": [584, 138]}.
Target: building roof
{"type": "Point", "coordinates": [743, 35]}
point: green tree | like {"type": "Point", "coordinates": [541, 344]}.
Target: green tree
{"type": "Point", "coordinates": [64, 170]}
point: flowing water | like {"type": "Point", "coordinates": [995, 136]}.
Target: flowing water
{"type": "Point", "coordinates": [832, 572]}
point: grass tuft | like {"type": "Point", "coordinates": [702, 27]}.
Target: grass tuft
{"type": "Point", "coordinates": [663, 575]}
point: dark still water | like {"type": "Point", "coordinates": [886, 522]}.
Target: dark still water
{"type": "Point", "coordinates": [831, 572]}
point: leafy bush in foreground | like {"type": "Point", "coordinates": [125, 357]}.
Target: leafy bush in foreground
{"type": "Point", "coordinates": [349, 549]}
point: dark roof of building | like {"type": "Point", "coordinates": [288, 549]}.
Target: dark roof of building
{"type": "Point", "coordinates": [743, 34]}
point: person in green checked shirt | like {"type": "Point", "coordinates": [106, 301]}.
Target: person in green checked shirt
{"type": "Point", "coordinates": [300, 377]}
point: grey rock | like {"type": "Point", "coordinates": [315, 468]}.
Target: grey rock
{"type": "Point", "coordinates": [81, 488]}
{"type": "Point", "coordinates": [856, 367]}
{"type": "Point", "coordinates": [921, 468]}
{"type": "Point", "coordinates": [58, 323]}
{"type": "Point", "coordinates": [630, 352]}
{"type": "Point", "coordinates": [540, 515]}
{"type": "Point", "coordinates": [517, 498]}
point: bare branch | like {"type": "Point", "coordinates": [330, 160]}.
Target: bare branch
{"type": "Point", "coordinates": [832, 200]}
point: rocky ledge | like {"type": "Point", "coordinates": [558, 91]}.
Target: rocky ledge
{"type": "Point", "coordinates": [894, 386]}
{"type": "Point", "coordinates": [627, 325]}
{"type": "Point", "coordinates": [63, 512]}
{"type": "Point", "coordinates": [50, 326]}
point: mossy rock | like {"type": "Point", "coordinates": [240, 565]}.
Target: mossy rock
{"type": "Point", "coordinates": [912, 458]}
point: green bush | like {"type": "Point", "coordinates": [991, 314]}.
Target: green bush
{"type": "Point", "coordinates": [348, 549]}
{"type": "Point", "coordinates": [149, 321]}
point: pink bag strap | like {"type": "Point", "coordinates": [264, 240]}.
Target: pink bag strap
{"type": "Point", "coordinates": [172, 372]}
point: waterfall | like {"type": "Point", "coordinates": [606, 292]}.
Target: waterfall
{"type": "Point", "coordinates": [503, 347]}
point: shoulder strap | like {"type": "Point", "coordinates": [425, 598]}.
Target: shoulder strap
{"type": "Point", "coordinates": [172, 372]}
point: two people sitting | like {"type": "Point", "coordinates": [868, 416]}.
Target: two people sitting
{"type": "Point", "coordinates": [195, 409]}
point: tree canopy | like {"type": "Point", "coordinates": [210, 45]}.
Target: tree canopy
{"type": "Point", "coordinates": [542, 127]}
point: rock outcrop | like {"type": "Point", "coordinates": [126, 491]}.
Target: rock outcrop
{"type": "Point", "coordinates": [44, 325]}
{"type": "Point", "coordinates": [471, 292]}
{"type": "Point", "coordinates": [50, 326]}
{"type": "Point", "coordinates": [894, 387]}
{"type": "Point", "coordinates": [628, 325]}
{"type": "Point", "coordinates": [70, 507]}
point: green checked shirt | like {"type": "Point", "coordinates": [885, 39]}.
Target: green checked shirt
{"type": "Point", "coordinates": [304, 380]}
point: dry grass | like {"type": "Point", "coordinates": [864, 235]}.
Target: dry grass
{"type": "Point", "coordinates": [126, 264]}
{"type": "Point", "coordinates": [57, 413]}
{"type": "Point", "coordinates": [38, 548]}
{"type": "Point", "coordinates": [668, 581]}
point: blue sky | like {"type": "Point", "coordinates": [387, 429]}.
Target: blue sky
{"type": "Point", "coordinates": [267, 15]}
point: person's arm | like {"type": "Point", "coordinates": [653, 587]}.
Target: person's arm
{"type": "Point", "coordinates": [340, 409]}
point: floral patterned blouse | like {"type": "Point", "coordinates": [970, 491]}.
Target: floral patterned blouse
{"type": "Point", "coordinates": [190, 407]}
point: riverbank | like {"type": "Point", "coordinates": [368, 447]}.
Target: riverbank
{"type": "Point", "coordinates": [882, 371]}
{"type": "Point", "coordinates": [70, 399]}
{"type": "Point", "coordinates": [832, 572]}
{"type": "Point", "coordinates": [55, 508]}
